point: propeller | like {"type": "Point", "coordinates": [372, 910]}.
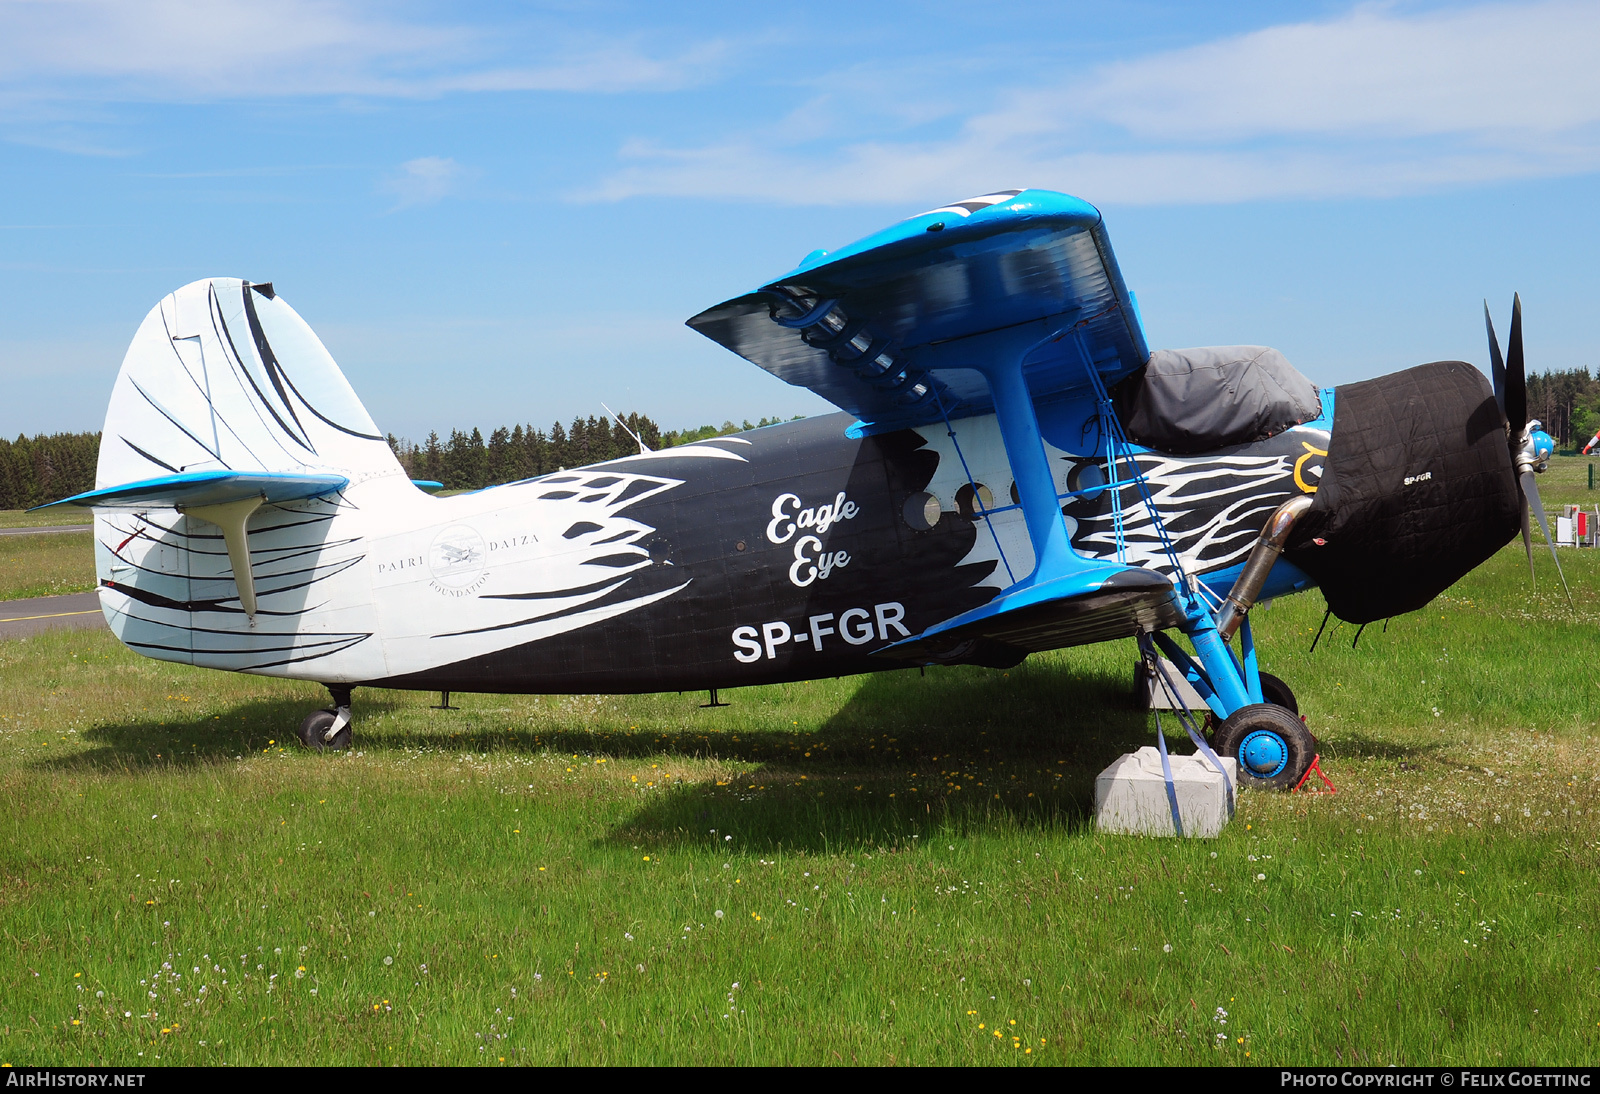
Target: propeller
{"type": "Point", "coordinates": [1531, 447]}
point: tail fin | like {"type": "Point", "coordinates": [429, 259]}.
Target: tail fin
{"type": "Point", "coordinates": [224, 376]}
{"type": "Point", "coordinates": [231, 445]}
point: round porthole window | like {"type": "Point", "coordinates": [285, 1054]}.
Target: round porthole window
{"type": "Point", "coordinates": [922, 511]}
{"type": "Point", "coordinates": [1087, 477]}
{"type": "Point", "coordinates": [968, 501]}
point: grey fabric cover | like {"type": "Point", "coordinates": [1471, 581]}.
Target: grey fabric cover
{"type": "Point", "coordinates": [1196, 400]}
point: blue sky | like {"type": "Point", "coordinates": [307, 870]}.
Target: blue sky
{"type": "Point", "coordinates": [504, 212]}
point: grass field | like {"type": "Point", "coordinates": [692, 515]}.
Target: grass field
{"type": "Point", "coordinates": [46, 565]}
{"type": "Point", "coordinates": [887, 869]}
{"type": "Point", "coordinates": [22, 518]}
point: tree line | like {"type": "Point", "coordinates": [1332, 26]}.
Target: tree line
{"type": "Point", "coordinates": [1568, 403]}
{"type": "Point", "coordinates": [44, 468]}
{"type": "Point", "coordinates": [465, 461]}
{"type": "Point", "coordinates": [35, 470]}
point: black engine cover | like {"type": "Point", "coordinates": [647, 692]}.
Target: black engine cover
{"type": "Point", "coordinates": [1417, 490]}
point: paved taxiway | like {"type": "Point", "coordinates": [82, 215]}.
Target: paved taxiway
{"type": "Point", "coordinates": [76, 611]}
{"type": "Point", "coordinates": [46, 530]}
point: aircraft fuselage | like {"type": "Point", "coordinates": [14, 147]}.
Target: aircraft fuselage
{"type": "Point", "coordinates": [790, 552]}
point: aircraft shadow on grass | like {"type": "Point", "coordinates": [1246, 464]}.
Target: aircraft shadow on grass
{"type": "Point", "coordinates": [178, 739]}
{"type": "Point", "coordinates": [907, 756]}
{"type": "Point", "coordinates": [1018, 748]}
{"type": "Point", "coordinates": [1035, 735]}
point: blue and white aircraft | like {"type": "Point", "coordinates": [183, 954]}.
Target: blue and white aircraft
{"type": "Point", "coordinates": [1013, 471]}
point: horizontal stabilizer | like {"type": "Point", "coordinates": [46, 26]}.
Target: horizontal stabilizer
{"type": "Point", "coordinates": [205, 488]}
{"type": "Point", "coordinates": [224, 498]}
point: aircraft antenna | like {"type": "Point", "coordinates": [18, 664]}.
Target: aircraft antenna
{"type": "Point", "coordinates": [643, 448]}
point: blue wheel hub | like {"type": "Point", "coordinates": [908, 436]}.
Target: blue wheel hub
{"type": "Point", "coordinates": [1264, 753]}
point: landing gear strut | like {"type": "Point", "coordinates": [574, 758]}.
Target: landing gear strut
{"type": "Point", "coordinates": [329, 729]}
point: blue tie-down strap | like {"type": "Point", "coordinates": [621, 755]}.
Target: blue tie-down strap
{"type": "Point", "coordinates": [1186, 719]}
{"type": "Point", "coordinates": [1166, 773]}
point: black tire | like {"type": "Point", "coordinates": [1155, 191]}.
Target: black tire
{"type": "Point", "coordinates": [1275, 691]}
{"type": "Point", "coordinates": [316, 725]}
{"type": "Point", "coordinates": [1276, 745]}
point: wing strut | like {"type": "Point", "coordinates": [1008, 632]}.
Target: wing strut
{"type": "Point", "coordinates": [231, 517]}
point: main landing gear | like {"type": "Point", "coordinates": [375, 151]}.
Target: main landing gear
{"type": "Point", "coordinates": [1269, 739]}
{"type": "Point", "coordinates": [329, 729]}
{"type": "Point", "coordinates": [1273, 746]}
{"type": "Point", "coordinates": [1264, 731]}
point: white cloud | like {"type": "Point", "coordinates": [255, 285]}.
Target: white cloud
{"type": "Point", "coordinates": [1375, 103]}
{"type": "Point", "coordinates": [90, 50]}
{"type": "Point", "coordinates": [425, 180]}
{"type": "Point", "coordinates": [1495, 69]}
{"type": "Point", "coordinates": [610, 68]}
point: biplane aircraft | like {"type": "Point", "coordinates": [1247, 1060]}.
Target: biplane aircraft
{"type": "Point", "coordinates": [1013, 471]}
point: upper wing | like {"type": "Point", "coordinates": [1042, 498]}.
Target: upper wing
{"type": "Point", "coordinates": [857, 326]}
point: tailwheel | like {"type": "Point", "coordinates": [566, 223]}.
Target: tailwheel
{"type": "Point", "coordinates": [329, 729]}
{"type": "Point", "coordinates": [1273, 746]}
{"type": "Point", "coordinates": [314, 731]}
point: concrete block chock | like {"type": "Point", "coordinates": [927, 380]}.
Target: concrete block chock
{"type": "Point", "coordinates": [1130, 796]}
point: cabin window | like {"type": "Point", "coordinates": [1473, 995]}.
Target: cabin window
{"type": "Point", "coordinates": [922, 511]}
{"type": "Point", "coordinates": [970, 501]}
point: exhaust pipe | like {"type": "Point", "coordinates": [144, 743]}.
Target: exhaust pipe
{"type": "Point", "coordinates": [1242, 597]}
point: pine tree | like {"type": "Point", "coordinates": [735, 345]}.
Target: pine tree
{"type": "Point", "coordinates": [433, 459]}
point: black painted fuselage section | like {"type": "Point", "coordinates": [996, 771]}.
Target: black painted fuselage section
{"type": "Point", "coordinates": [797, 561]}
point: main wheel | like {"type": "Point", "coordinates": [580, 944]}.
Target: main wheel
{"type": "Point", "coordinates": [1275, 691]}
{"type": "Point", "coordinates": [1273, 746]}
{"type": "Point", "coordinates": [315, 727]}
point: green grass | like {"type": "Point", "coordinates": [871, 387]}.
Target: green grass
{"type": "Point", "coordinates": [46, 565]}
{"type": "Point", "coordinates": [1567, 482]}
{"type": "Point", "coordinates": [22, 518]}
{"type": "Point", "coordinates": [910, 867]}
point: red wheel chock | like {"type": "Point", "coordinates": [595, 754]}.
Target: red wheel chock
{"type": "Point", "coordinates": [1316, 765]}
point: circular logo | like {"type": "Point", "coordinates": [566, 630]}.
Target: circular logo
{"type": "Point", "coordinates": [456, 556]}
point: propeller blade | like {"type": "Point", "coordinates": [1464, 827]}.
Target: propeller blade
{"type": "Point", "coordinates": [1530, 493]}
{"type": "Point", "coordinates": [1496, 362]}
{"type": "Point", "coordinates": [1516, 378]}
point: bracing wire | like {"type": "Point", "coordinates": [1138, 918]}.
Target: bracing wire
{"type": "Point", "coordinates": [1115, 437]}
{"type": "Point", "coordinates": [977, 499]}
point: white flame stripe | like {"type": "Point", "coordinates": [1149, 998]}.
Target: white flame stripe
{"type": "Point", "coordinates": [969, 206]}
{"type": "Point", "coordinates": [1181, 487]}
